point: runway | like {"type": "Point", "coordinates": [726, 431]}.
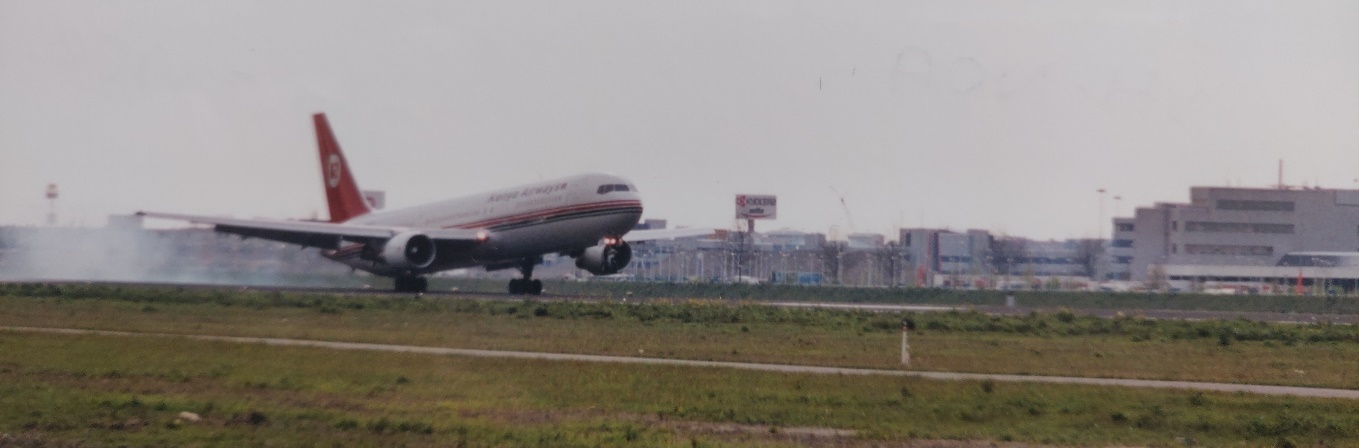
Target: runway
{"type": "Point", "coordinates": [1282, 318]}
{"type": "Point", "coordinates": [784, 368]}
{"type": "Point", "coordinates": [1161, 314]}
{"type": "Point", "coordinates": [298, 289]}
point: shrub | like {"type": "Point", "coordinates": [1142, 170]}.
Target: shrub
{"type": "Point", "coordinates": [256, 418]}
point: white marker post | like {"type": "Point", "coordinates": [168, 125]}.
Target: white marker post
{"type": "Point", "coordinates": [905, 348]}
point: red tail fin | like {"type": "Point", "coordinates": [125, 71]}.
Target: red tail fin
{"type": "Point", "coordinates": [341, 191]}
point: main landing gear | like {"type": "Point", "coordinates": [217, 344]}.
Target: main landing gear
{"type": "Point", "coordinates": [521, 286]}
{"type": "Point", "coordinates": [412, 284]}
{"type": "Point", "coordinates": [526, 285]}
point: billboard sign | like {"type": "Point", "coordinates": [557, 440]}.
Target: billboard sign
{"type": "Point", "coordinates": [755, 206]}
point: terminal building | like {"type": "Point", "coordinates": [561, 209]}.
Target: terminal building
{"type": "Point", "coordinates": [977, 259]}
{"type": "Point", "coordinates": [1119, 252]}
{"type": "Point", "coordinates": [947, 252]}
{"type": "Point", "coordinates": [1241, 234]}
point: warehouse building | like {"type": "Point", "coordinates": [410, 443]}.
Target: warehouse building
{"type": "Point", "coordinates": [1223, 230]}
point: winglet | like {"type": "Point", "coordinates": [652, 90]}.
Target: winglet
{"type": "Point", "coordinates": [342, 193]}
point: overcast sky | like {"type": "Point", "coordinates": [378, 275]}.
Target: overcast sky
{"type": "Point", "coordinates": [1002, 115]}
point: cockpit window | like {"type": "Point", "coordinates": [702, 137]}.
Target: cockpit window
{"type": "Point", "coordinates": [607, 188]}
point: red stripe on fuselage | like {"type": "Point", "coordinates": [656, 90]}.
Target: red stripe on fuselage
{"type": "Point", "coordinates": [530, 216]}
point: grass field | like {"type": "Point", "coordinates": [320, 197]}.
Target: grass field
{"type": "Point", "coordinates": [114, 391]}
{"type": "Point", "coordinates": [1052, 344]}
{"type": "Point", "coordinates": [120, 391]}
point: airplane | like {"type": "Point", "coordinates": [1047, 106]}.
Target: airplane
{"type": "Point", "coordinates": [584, 216]}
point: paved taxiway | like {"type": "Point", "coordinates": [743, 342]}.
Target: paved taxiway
{"type": "Point", "coordinates": [1281, 318]}
{"type": "Point", "coordinates": [786, 368]}
{"type": "Point", "coordinates": [1295, 318]}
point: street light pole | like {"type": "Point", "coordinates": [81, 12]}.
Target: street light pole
{"type": "Point", "coordinates": [1099, 224]}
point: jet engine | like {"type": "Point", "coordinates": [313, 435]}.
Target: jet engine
{"type": "Point", "coordinates": [409, 250]}
{"type": "Point", "coordinates": [609, 257]}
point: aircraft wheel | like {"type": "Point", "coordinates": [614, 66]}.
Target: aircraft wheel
{"type": "Point", "coordinates": [516, 287]}
{"type": "Point", "coordinates": [411, 284]}
{"type": "Point", "coordinates": [535, 287]}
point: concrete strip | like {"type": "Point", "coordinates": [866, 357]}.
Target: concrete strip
{"type": "Point", "coordinates": [866, 306]}
{"type": "Point", "coordinates": [784, 368]}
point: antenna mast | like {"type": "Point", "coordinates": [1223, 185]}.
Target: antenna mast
{"type": "Point", "coordinates": [51, 204]}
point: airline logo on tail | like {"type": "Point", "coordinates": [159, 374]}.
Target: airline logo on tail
{"type": "Point", "coordinates": [333, 170]}
{"type": "Point", "coordinates": [342, 193]}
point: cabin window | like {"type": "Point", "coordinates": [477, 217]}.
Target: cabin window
{"type": "Point", "coordinates": [607, 188]}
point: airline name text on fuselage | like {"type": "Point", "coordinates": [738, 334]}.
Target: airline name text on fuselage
{"type": "Point", "coordinates": [531, 191]}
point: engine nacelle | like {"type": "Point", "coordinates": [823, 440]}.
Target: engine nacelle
{"type": "Point", "coordinates": [409, 250]}
{"type": "Point", "coordinates": [605, 259]}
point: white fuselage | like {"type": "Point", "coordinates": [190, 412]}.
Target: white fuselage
{"type": "Point", "coordinates": [555, 216]}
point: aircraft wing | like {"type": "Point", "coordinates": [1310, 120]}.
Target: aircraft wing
{"type": "Point", "coordinates": [325, 235]}
{"type": "Point", "coordinates": [665, 234]}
